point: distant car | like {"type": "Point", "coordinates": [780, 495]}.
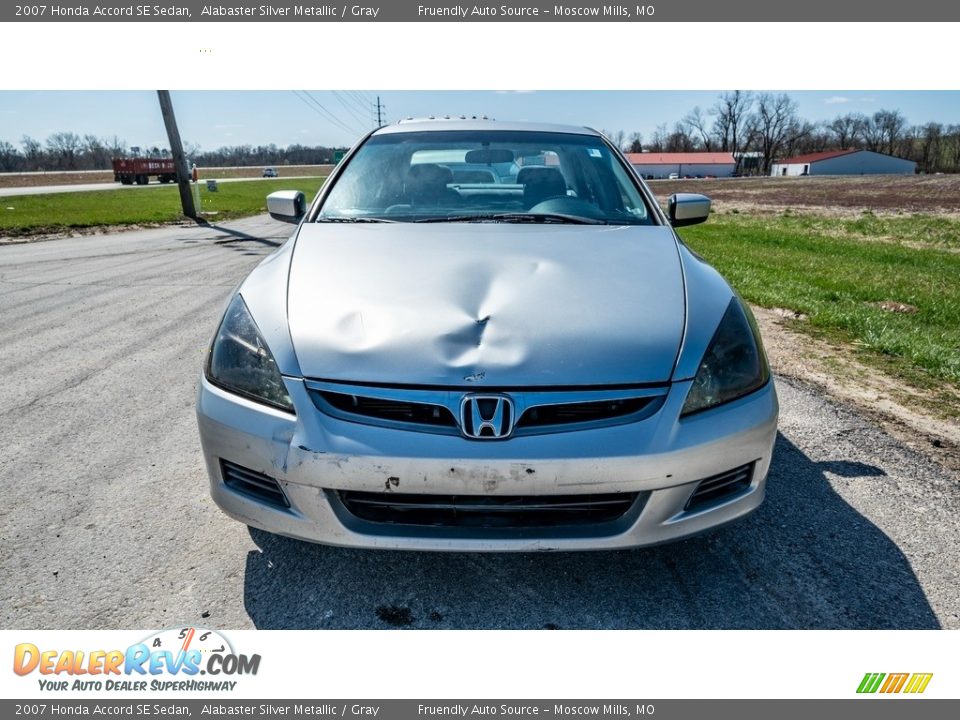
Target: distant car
{"type": "Point", "coordinates": [673, 176]}
{"type": "Point", "coordinates": [270, 172]}
{"type": "Point", "coordinates": [535, 365]}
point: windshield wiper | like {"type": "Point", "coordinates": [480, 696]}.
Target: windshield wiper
{"type": "Point", "coordinates": [518, 217]}
{"type": "Point", "coordinates": [357, 219]}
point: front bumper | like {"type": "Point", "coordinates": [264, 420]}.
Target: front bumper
{"type": "Point", "coordinates": [313, 454]}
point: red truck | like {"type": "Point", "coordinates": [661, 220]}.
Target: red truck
{"type": "Point", "coordinates": [138, 170]}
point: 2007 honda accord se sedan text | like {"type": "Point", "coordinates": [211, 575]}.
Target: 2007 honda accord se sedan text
{"type": "Point", "coordinates": [486, 336]}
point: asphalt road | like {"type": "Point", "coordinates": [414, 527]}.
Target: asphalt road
{"type": "Point", "coordinates": [106, 521]}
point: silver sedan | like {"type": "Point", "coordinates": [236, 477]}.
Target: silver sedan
{"type": "Point", "coordinates": [486, 336]}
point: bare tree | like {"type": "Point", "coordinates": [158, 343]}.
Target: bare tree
{"type": "Point", "coordinates": [808, 138]}
{"type": "Point", "coordinates": [697, 125]}
{"type": "Point", "coordinates": [64, 149]}
{"type": "Point", "coordinates": [32, 152]}
{"type": "Point", "coordinates": [9, 157]}
{"type": "Point", "coordinates": [930, 141]}
{"type": "Point", "coordinates": [96, 154]}
{"type": "Point", "coordinates": [680, 139]}
{"type": "Point", "coordinates": [890, 126]}
{"type": "Point", "coordinates": [847, 129]}
{"type": "Point", "coordinates": [872, 135]}
{"type": "Point", "coordinates": [635, 143]}
{"type": "Point", "coordinates": [658, 140]}
{"type": "Point", "coordinates": [777, 127]}
{"type": "Point", "coordinates": [951, 148]}
{"type": "Point", "coordinates": [732, 113]}
{"type": "Point", "coordinates": [115, 146]}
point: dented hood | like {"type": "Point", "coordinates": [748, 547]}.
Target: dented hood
{"type": "Point", "coordinates": [484, 304]}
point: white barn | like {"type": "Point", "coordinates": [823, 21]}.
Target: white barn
{"type": "Point", "coordinates": [843, 162]}
{"type": "Point", "coordinates": [661, 165]}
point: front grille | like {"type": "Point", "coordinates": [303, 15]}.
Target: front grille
{"type": "Point", "coordinates": [396, 410]}
{"type": "Point", "coordinates": [720, 487]}
{"type": "Point", "coordinates": [438, 410]}
{"type": "Point", "coordinates": [252, 484]}
{"type": "Point", "coordinates": [585, 412]}
{"type": "Point", "coordinates": [487, 511]}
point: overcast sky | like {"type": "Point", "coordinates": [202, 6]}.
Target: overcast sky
{"type": "Point", "coordinates": [334, 118]}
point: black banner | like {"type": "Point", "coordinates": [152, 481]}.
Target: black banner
{"type": "Point", "coordinates": [740, 11]}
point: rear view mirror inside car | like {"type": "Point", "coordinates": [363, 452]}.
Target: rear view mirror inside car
{"type": "Point", "coordinates": [489, 156]}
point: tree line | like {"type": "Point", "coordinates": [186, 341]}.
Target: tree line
{"type": "Point", "coordinates": [70, 151]}
{"type": "Point", "coordinates": [757, 128]}
{"type": "Point", "coordinates": [760, 128]}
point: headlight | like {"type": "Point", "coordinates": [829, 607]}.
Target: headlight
{"type": "Point", "coordinates": [734, 364]}
{"type": "Point", "coordinates": [241, 362]}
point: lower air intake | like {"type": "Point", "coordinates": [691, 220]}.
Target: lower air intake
{"type": "Point", "coordinates": [718, 488]}
{"type": "Point", "coordinates": [487, 511]}
{"type": "Point", "coordinates": [252, 484]}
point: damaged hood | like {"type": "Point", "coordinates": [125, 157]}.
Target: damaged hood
{"type": "Point", "coordinates": [484, 304]}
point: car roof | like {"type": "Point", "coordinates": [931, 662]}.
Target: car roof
{"type": "Point", "coordinates": [470, 124]}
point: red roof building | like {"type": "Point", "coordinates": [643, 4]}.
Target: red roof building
{"type": "Point", "coordinates": [652, 165]}
{"type": "Point", "coordinates": [692, 158]}
{"type": "Point", "coordinates": [843, 162]}
{"type": "Point", "coordinates": [815, 157]}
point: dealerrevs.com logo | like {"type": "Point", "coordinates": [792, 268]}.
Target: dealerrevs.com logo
{"type": "Point", "coordinates": [891, 683]}
{"type": "Point", "coordinates": [169, 660]}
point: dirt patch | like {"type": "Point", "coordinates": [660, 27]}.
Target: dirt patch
{"type": "Point", "coordinates": [41, 179]}
{"type": "Point", "coordinates": [834, 196]}
{"type": "Point", "coordinates": [54, 234]}
{"type": "Point", "coordinates": [898, 407]}
{"type": "Point", "coordinates": [896, 307]}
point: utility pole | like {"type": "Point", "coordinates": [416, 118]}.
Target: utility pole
{"type": "Point", "coordinates": [176, 149]}
{"type": "Point", "coordinates": [379, 116]}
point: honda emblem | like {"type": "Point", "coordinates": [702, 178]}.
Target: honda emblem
{"type": "Point", "coordinates": [486, 417]}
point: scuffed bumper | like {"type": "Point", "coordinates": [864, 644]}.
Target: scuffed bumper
{"type": "Point", "coordinates": [313, 455]}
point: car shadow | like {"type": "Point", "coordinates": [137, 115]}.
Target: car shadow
{"type": "Point", "coordinates": [805, 559]}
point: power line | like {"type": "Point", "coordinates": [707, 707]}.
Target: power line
{"type": "Point", "coordinates": [358, 101]}
{"type": "Point", "coordinates": [318, 108]}
{"type": "Point", "coordinates": [335, 118]}
{"type": "Point", "coordinates": [303, 99]}
{"type": "Point", "coordinates": [347, 107]}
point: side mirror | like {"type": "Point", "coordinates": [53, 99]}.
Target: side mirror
{"type": "Point", "coordinates": [287, 205]}
{"type": "Point", "coordinates": [687, 209]}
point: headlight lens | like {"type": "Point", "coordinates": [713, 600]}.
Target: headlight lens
{"type": "Point", "coordinates": [734, 364]}
{"type": "Point", "coordinates": [241, 362]}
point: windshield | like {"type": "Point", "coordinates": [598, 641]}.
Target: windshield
{"type": "Point", "coordinates": [485, 176]}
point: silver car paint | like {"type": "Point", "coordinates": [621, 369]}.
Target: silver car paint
{"type": "Point", "coordinates": [497, 304]}
{"type": "Point", "coordinates": [707, 298]}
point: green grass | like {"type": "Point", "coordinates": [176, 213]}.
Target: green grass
{"type": "Point", "coordinates": [834, 270]}
{"type": "Point", "coordinates": [55, 212]}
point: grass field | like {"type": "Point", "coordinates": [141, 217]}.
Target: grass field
{"type": "Point", "coordinates": [83, 177]}
{"type": "Point", "coordinates": [890, 285]}
{"type": "Point", "coordinates": [60, 212]}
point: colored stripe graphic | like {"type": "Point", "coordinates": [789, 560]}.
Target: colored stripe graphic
{"type": "Point", "coordinates": [870, 682]}
{"type": "Point", "coordinates": [918, 682]}
{"type": "Point", "coordinates": [894, 683]}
